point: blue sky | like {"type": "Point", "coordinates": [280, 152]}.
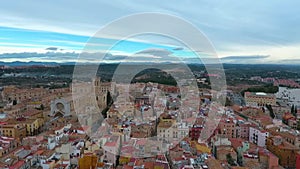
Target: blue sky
{"type": "Point", "coordinates": [241, 31]}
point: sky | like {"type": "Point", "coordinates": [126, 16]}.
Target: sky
{"type": "Point", "coordinates": [241, 31]}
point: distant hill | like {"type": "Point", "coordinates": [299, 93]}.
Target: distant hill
{"type": "Point", "coordinates": [33, 63]}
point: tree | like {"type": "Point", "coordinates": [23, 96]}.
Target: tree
{"type": "Point", "coordinates": [266, 88]}
{"type": "Point", "coordinates": [298, 124]}
{"type": "Point", "coordinates": [42, 107]}
{"type": "Point", "coordinates": [293, 109]}
{"type": "Point", "coordinates": [104, 112]}
{"type": "Point", "coordinates": [269, 107]}
{"type": "Point", "coordinates": [15, 102]}
{"type": "Point", "coordinates": [168, 104]}
{"type": "Point", "coordinates": [228, 102]}
{"type": "Point", "coordinates": [230, 160]}
{"type": "Point", "coordinates": [109, 100]}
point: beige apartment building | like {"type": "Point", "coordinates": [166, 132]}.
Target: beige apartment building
{"type": "Point", "coordinates": [259, 99]}
{"type": "Point", "coordinates": [17, 131]}
{"type": "Point", "coordinates": [11, 93]}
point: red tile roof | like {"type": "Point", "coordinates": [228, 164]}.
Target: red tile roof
{"type": "Point", "coordinates": [110, 144]}
{"type": "Point", "coordinates": [17, 165]}
{"type": "Point", "coordinates": [236, 142]}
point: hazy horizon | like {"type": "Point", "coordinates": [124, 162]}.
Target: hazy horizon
{"type": "Point", "coordinates": [241, 32]}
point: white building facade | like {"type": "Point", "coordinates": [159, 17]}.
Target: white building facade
{"type": "Point", "coordinates": [258, 136]}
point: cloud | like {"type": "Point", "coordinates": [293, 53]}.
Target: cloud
{"type": "Point", "coordinates": [92, 57]}
{"type": "Point", "coordinates": [245, 57]}
{"type": "Point", "coordinates": [156, 52]}
{"type": "Point", "coordinates": [246, 22]}
{"type": "Point", "coordinates": [114, 57]}
{"type": "Point", "coordinates": [227, 24]}
{"type": "Point", "coordinates": [52, 48]}
{"type": "Point", "coordinates": [178, 48]}
{"type": "Point", "coordinates": [202, 60]}
{"type": "Point", "coordinates": [86, 57]}
{"type": "Point", "coordinates": [32, 56]}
